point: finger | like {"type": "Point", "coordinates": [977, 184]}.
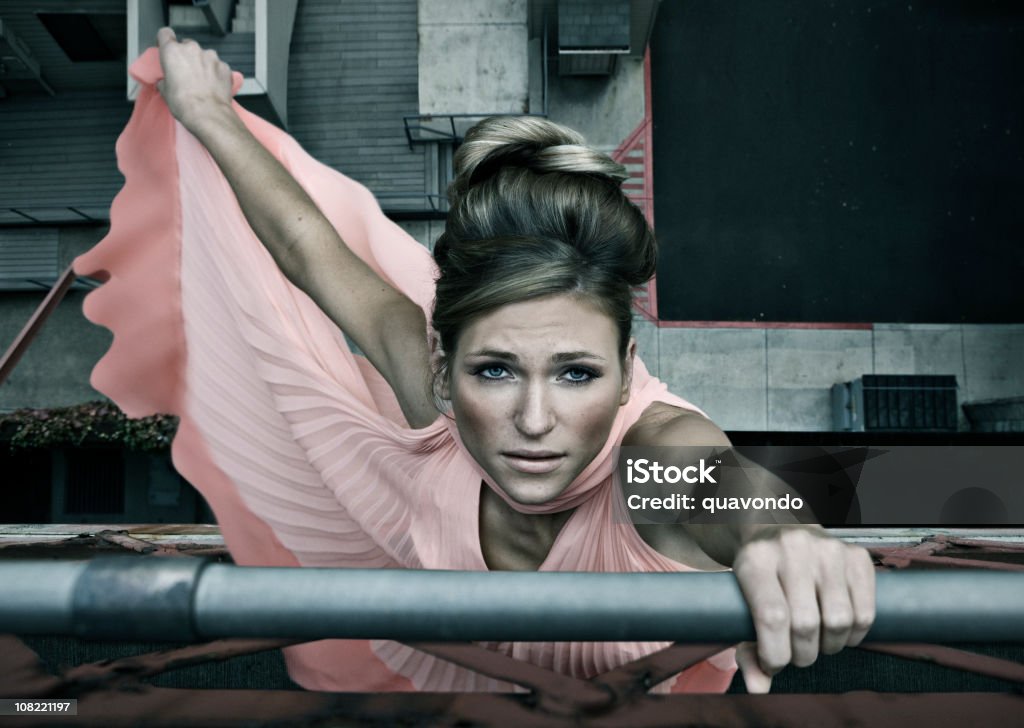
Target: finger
{"type": "Point", "coordinates": [164, 36]}
{"type": "Point", "coordinates": [755, 679]}
{"type": "Point", "coordinates": [804, 612]}
{"type": "Point", "coordinates": [861, 578]}
{"type": "Point", "coordinates": [757, 574]}
{"type": "Point", "coordinates": [834, 598]}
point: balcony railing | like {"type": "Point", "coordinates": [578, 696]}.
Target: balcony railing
{"type": "Point", "coordinates": [150, 597]}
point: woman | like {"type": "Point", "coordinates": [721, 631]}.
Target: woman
{"type": "Point", "coordinates": [311, 456]}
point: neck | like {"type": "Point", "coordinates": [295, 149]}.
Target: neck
{"type": "Point", "coordinates": [516, 541]}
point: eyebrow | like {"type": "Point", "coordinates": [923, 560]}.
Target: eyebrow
{"type": "Point", "coordinates": [560, 357]}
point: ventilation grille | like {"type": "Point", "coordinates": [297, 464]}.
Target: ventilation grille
{"type": "Point", "coordinates": [94, 483]}
{"type": "Point", "coordinates": [896, 402]}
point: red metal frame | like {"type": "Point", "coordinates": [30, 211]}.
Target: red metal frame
{"type": "Point", "coordinates": [763, 325]}
{"type": "Point", "coordinates": [640, 186]}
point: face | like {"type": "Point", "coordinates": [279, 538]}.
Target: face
{"type": "Point", "coordinates": [535, 387]}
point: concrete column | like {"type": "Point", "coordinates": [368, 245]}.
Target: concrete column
{"type": "Point", "coordinates": [473, 57]}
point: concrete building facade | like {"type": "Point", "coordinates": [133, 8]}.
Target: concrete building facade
{"type": "Point", "coordinates": [372, 90]}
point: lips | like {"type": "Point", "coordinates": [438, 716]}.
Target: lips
{"type": "Point", "coordinates": [534, 462]}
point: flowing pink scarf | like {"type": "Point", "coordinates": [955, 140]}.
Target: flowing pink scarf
{"type": "Point", "coordinates": [298, 445]}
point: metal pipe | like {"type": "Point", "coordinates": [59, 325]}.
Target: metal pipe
{"type": "Point", "coordinates": [191, 599]}
{"type": "Point", "coordinates": [37, 597]}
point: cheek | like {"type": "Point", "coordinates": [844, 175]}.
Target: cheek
{"type": "Point", "coordinates": [476, 412]}
{"type": "Point", "coordinates": [593, 422]}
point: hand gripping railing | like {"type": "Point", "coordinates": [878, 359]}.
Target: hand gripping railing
{"type": "Point", "coordinates": [191, 599]}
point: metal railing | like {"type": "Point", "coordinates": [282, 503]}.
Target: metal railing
{"type": "Point", "coordinates": [445, 128]}
{"type": "Point", "coordinates": [191, 599]}
{"type": "Point", "coordinates": [118, 691]}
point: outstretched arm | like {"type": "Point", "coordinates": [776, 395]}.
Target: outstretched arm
{"type": "Point", "coordinates": [386, 325]}
{"type": "Point", "coordinates": [808, 592]}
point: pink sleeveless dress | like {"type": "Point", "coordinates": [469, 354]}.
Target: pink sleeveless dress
{"type": "Point", "coordinates": [297, 444]}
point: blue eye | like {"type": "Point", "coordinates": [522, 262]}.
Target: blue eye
{"type": "Point", "coordinates": [491, 371]}
{"type": "Point", "coordinates": [579, 375]}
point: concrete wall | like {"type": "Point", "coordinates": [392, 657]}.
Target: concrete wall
{"type": "Point", "coordinates": [55, 369]}
{"type": "Point", "coordinates": [605, 109]}
{"type": "Point", "coordinates": [780, 379]}
{"type": "Point", "coordinates": [473, 56]}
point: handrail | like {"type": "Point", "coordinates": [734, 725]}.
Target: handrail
{"type": "Point", "coordinates": [35, 323]}
{"type": "Point", "coordinates": [449, 135]}
{"type": "Point", "coordinates": [192, 598]}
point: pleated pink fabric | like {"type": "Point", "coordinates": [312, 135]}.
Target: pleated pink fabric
{"type": "Point", "coordinates": [297, 444]}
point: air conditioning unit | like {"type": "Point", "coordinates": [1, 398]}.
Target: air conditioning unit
{"type": "Point", "coordinates": [591, 35]}
{"type": "Point", "coordinates": [594, 34]}
{"type": "Point", "coordinates": [895, 403]}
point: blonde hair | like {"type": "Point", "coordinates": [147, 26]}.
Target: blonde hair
{"type": "Point", "coordinates": [535, 212]}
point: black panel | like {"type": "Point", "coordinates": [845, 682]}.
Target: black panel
{"type": "Point", "coordinates": [840, 161]}
{"type": "Point", "coordinates": [26, 478]}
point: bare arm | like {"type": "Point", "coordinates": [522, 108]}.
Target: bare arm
{"type": "Point", "coordinates": [667, 426]}
{"type": "Point", "coordinates": [388, 326]}
{"type": "Point", "coordinates": [807, 592]}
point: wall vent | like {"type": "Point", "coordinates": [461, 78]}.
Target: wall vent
{"type": "Point", "coordinates": [896, 403]}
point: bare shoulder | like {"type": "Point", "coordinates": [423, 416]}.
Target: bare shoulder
{"type": "Point", "coordinates": [665, 425]}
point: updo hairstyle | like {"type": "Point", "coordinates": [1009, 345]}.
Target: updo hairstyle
{"type": "Point", "coordinates": [535, 212]}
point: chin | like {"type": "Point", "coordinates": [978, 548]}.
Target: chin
{"type": "Point", "coordinates": [531, 494]}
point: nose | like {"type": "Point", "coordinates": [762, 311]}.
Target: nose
{"type": "Point", "coordinates": [534, 415]}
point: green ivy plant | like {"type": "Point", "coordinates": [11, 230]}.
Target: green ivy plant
{"type": "Point", "coordinates": [86, 423]}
